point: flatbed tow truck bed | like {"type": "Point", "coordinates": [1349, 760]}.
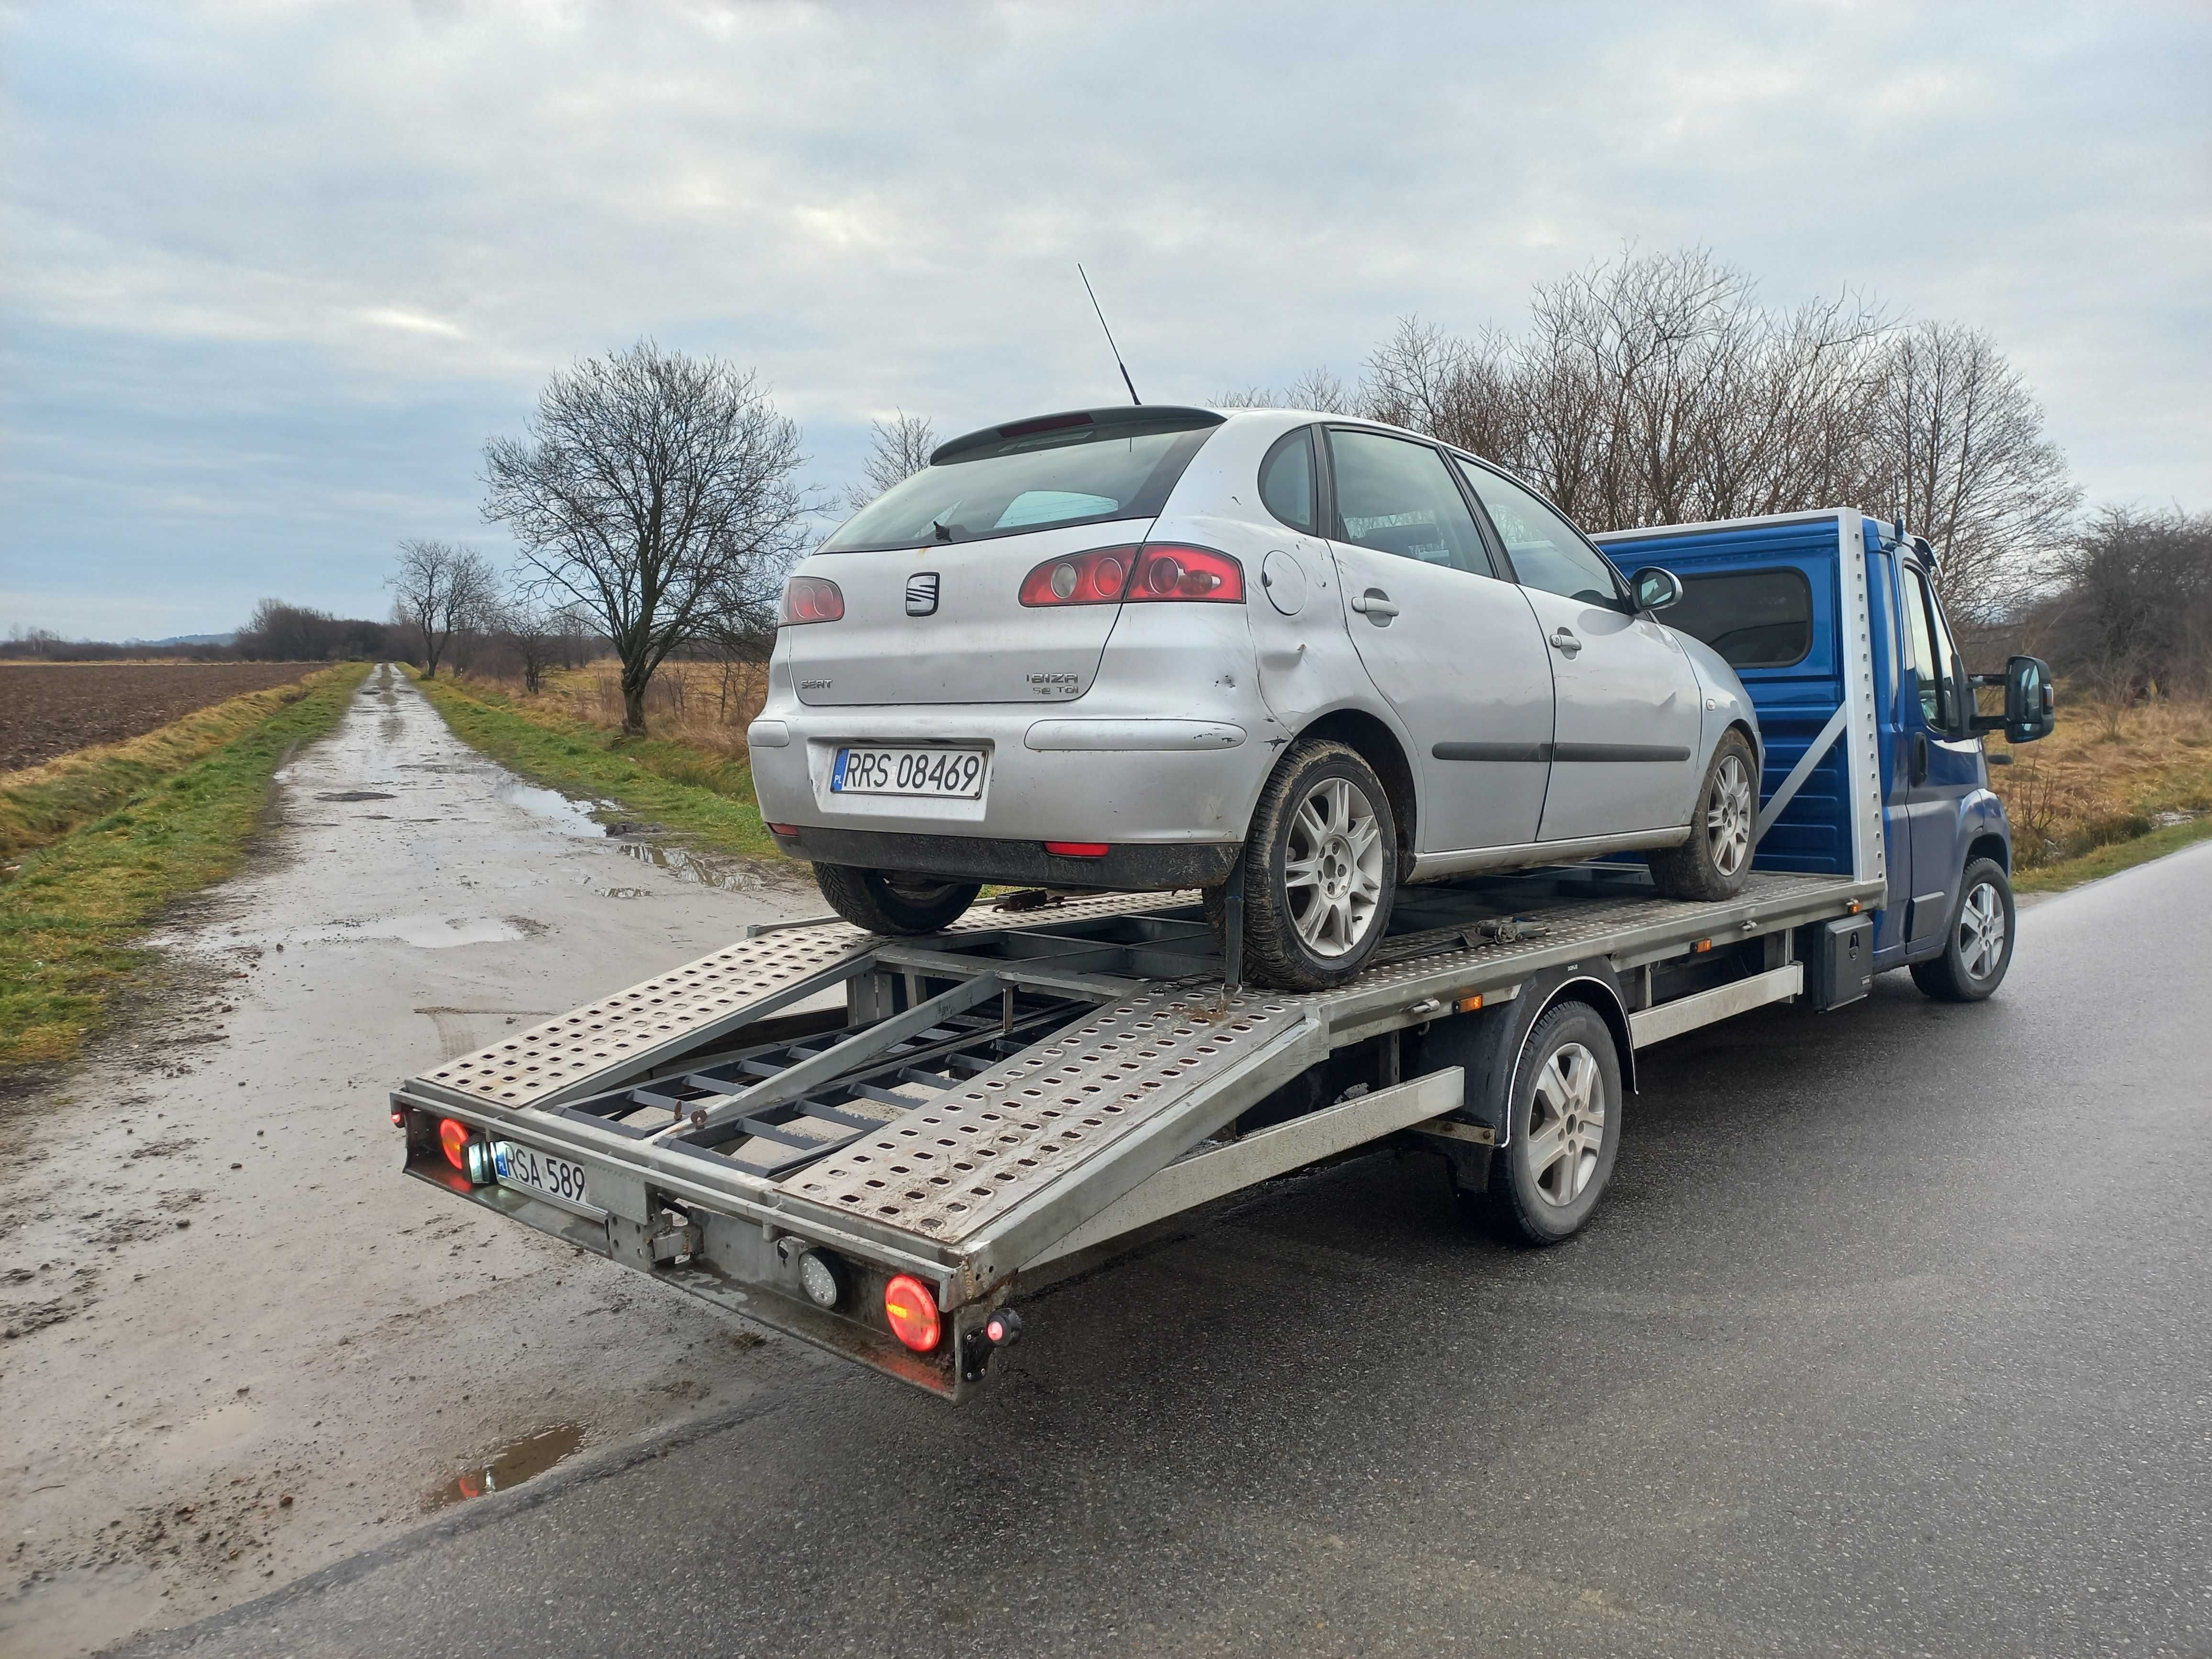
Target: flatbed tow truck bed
{"type": "Point", "coordinates": [1036, 1083]}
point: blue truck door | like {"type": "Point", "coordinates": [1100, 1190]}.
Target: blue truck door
{"type": "Point", "coordinates": [1938, 773]}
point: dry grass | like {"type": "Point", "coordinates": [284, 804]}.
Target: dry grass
{"type": "Point", "coordinates": [702, 704]}
{"type": "Point", "coordinates": [2104, 776]}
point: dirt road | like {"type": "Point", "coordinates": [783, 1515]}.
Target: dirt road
{"type": "Point", "coordinates": [238, 1344]}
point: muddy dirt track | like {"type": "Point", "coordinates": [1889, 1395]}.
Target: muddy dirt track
{"type": "Point", "coordinates": [238, 1344]}
{"type": "Point", "coordinates": [49, 709]}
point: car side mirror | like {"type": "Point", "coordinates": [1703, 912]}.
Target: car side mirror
{"type": "Point", "coordinates": [2031, 704]}
{"type": "Point", "coordinates": [1655, 589]}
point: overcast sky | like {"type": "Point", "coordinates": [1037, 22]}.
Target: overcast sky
{"type": "Point", "coordinates": [273, 272]}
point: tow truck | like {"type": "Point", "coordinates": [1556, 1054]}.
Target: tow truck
{"type": "Point", "coordinates": [882, 1147]}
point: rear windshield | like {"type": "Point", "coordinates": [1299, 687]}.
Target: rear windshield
{"type": "Point", "coordinates": [1754, 618]}
{"type": "Point", "coordinates": [1082, 475]}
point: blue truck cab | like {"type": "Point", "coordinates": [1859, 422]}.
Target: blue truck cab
{"type": "Point", "coordinates": [1874, 763]}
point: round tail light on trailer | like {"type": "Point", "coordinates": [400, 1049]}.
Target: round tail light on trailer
{"type": "Point", "coordinates": [911, 1307]}
{"type": "Point", "coordinates": [454, 1136]}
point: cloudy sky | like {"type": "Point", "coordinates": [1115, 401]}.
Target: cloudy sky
{"type": "Point", "coordinates": [272, 272]}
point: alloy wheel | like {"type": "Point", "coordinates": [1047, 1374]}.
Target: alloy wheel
{"type": "Point", "coordinates": [1982, 931]}
{"type": "Point", "coordinates": [1566, 1124]}
{"type": "Point", "coordinates": [1729, 815]}
{"type": "Point", "coordinates": [1333, 867]}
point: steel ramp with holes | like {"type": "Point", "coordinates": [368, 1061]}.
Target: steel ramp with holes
{"type": "Point", "coordinates": [979, 1095]}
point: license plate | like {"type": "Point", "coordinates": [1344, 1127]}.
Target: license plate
{"type": "Point", "coordinates": [946, 773]}
{"type": "Point", "coordinates": [541, 1175]}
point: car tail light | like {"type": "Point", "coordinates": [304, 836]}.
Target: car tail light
{"type": "Point", "coordinates": [1079, 849]}
{"type": "Point", "coordinates": [912, 1310]}
{"type": "Point", "coordinates": [1094, 578]}
{"type": "Point", "coordinates": [812, 599]}
{"type": "Point", "coordinates": [1168, 572]}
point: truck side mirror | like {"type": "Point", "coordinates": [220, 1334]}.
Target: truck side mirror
{"type": "Point", "coordinates": [2031, 704]}
{"type": "Point", "coordinates": [1655, 589]}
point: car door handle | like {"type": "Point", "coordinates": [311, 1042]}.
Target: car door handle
{"type": "Point", "coordinates": [1918, 772]}
{"type": "Point", "coordinates": [1563, 640]}
{"type": "Point", "coordinates": [1375, 604]}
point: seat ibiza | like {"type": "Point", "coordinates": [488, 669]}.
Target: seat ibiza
{"type": "Point", "coordinates": [1128, 648]}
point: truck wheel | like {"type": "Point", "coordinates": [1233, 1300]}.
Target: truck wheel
{"type": "Point", "coordinates": [1565, 1128]}
{"type": "Point", "coordinates": [1979, 947]}
{"type": "Point", "coordinates": [1321, 869]}
{"type": "Point", "coordinates": [1714, 861]}
{"type": "Point", "coordinates": [887, 901]}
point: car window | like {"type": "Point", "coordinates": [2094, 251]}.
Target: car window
{"type": "Point", "coordinates": [1061, 476]}
{"type": "Point", "coordinates": [1920, 644]}
{"type": "Point", "coordinates": [1547, 551]}
{"type": "Point", "coordinates": [1394, 495]}
{"type": "Point", "coordinates": [1286, 481]}
{"type": "Point", "coordinates": [1754, 618]}
{"type": "Point", "coordinates": [1947, 653]}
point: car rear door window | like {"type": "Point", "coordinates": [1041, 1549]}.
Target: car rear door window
{"type": "Point", "coordinates": [1547, 551]}
{"type": "Point", "coordinates": [1395, 495]}
{"type": "Point", "coordinates": [1754, 618]}
{"type": "Point", "coordinates": [1286, 481]}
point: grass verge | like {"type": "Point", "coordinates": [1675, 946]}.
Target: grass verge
{"type": "Point", "coordinates": [70, 909]}
{"type": "Point", "coordinates": [2060, 874]}
{"type": "Point", "coordinates": [705, 798]}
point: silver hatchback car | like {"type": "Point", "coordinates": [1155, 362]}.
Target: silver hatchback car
{"type": "Point", "coordinates": [1128, 648]}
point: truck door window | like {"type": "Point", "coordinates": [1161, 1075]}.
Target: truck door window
{"type": "Point", "coordinates": [1547, 551]}
{"type": "Point", "coordinates": [1920, 649]}
{"type": "Point", "coordinates": [1286, 481]}
{"type": "Point", "coordinates": [1392, 495]}
{"type": "Point", "coordinates": [1947, 656]}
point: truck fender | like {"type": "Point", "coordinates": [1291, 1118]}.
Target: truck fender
{"type": "Point", "coordinates": [1487, 1044]}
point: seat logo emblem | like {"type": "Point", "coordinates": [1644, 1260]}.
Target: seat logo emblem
{"type": "Point", "coordinates": [922, 593]}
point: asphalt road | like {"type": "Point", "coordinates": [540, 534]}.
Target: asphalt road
{"type": "Point", "coordinates": [1894, 1336]}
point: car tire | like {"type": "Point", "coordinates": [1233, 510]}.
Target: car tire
{"type": "Point", "coordinates": [888, 901]}
{"type": "Point", "coordinates": [1547, 1178]}
{"type": "Point", "coordinates": [1320, 869]}
{"type": "Point", "coordinates": [1714, 861]}
{"type": "Point", "coordinates": [1978, 948]}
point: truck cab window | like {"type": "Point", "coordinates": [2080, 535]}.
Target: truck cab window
{"type": "Point", "coordinates": [1754, 618]}
{"type": "Point", "coordinates": [1392, 495]}
{"type": "Point", "coordinates": [1927, 649]}
{"type": "Point", "coordinates": [1547, 551]}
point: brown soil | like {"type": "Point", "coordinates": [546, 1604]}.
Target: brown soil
{"type": "Point", "coordinates": [48, 709]}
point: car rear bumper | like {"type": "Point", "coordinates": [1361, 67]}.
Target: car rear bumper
{"type": "Point", "coordinates": [1130, 867]}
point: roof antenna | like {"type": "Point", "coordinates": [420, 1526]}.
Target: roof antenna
{"type": "Point", "coordinates": [1110, 346]}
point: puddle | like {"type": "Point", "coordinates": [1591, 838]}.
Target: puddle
{"type": "Point", "coordinates": [512, 1464]}
{"type": "Point", "coordinates": [428, 932]}
{"type": "Point", "coordinates": [728, 875]}
{"type": "Point", "coordinates": [356, 794]}
{"type": "Point", "coordinates": [555, 809]}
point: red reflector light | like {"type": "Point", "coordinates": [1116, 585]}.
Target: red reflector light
{"type": "Point", "coordinates": [1092, 578]}
{"type": "Point", "coordinates": [912, 1309]}
{"type": "Point", "coordinates": [454, 1136]}
{"type": "Point", "coordinates": [783, 829]}
{"type": "Point", "coordinates": [812, 599]}
{"type": "Point", "coordinates": [1168, 573]}
{"type": "Point", "coordinates": [1079, 849]}
{"type": "Point", "coordinates": [398, 1117]}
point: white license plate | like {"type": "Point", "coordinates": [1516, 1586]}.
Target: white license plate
{"type": "Point", "coordinates": [946, 773]}
{"type": "Point", "coordinates": [541, 1175]}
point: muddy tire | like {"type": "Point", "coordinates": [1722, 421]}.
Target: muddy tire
{"type": "Point", "coordinates": [1714, 861]}
{"type": "Point", "coordinates": [1321, 866]}
{"type": "Point", "coordinates": [887, 901]}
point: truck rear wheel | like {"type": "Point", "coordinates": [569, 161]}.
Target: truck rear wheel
{"type": "Point", "coordinates": [1564, 1119]}
{"type": "Point", "coordinates": [1978, 948]}
{"type": "Point", "coordinates": [1714, 861]}
{"type": "Point", "coordinates": [1321, 869]}
{"type": "Point", "coordinates": [888, 901]}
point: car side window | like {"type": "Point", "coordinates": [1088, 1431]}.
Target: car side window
{"type": "Point", "coordinates": [1547, 552]}
{"type": "Point", "coordinates": [1919, 644]}
{"type": "Point", "coordinates": [1286, 481]}
{"type": "Point", "coordinates": [1395, 495]}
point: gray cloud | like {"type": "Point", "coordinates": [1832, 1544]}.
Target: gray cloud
{"type": "Point", "coordinates": [273, 273]}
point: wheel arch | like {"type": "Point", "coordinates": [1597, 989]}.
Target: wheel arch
{"type": "Point", "coordinates": [1378, 745]}
{"type": "Point", "coordinates": [1604, 998]}
{"type": "Point", "coordinates": [1994, 848]}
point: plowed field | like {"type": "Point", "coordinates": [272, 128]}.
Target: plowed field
{"type": "Point", "coordinates": [50, 708]}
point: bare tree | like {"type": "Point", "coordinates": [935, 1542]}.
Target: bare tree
{"type": "Point", "coordinates": [653, 487]}
{"type": "Point", "coordinates": [897, 449]}
{"type": "Point", "coordinates": [1963, 459]}
{"type": "Point", "coordinates": [437, 588]}
{"type": "Point", "coordinates": [535, 634]}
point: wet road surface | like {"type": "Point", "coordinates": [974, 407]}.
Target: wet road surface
{"type": "Point", "coordinates": [1894, 1335]}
